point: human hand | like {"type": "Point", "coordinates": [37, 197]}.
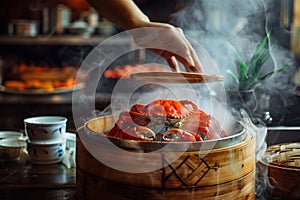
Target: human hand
{"type": "Point", "coordinates": [170, 43]}
{"type": "Point", "coordinates": [163, 39]}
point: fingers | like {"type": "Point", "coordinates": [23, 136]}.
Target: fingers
{"type": "Point", "coordinates": [193, 69]}
{"type": "Point", "coordinates": [196, 67]}
{"type": "Point", "coordinates": [171, 44]}
{"type": "Point", "coordinates": [185, 54]}
{"type": "Point", "coordinates": [172, 62]}
{"type": "Point", "coordinates": [190, 59]}
{"type": "Point", "coordinates": [169, 57]}
{"type": "Point", "coordinates": [190, 63]}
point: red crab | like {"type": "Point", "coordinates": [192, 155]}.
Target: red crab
{"type": "Point", "coordinates": [204, 124]}
{"type": "Point", "coordinates": [183, 120]}
{"type": "Point", "coordinates": [167, 112]}
{"type": "Point", "coordinates": [125, 128]}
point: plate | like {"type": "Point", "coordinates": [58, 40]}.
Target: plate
{"type": "Point", "coordinates": [176, 77]}
{"type": "Point", "coordinates": [40, 91]}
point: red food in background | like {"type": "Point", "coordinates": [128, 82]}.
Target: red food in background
{"type": "Point", "coordinates": [126, 70]}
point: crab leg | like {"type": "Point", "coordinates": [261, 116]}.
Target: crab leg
{"type": "Point", "coordinates": [212, 133]}
{"type": "Point", "coordinates": [218, 128]}
{"type": "Point", "coordinates": [114, 132]}
{"type": "Point", "coordinates": [188, 102]}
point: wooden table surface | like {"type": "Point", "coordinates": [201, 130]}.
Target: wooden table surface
{"type": "Point", "coordinates": [28, 181]}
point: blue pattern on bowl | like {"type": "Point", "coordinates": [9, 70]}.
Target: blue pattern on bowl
{"type": "Point", "coordinates": [44, 153]}
{"type": "Point", "coordinates": [45, 127]}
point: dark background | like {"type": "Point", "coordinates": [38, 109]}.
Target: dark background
{"type": "Point", "coordinates": [285, 107]}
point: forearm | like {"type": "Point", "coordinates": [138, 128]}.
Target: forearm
{"type": "Point", "coordinates": [124, 13]}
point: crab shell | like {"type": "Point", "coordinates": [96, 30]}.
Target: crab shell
{"type": "Point", "coordinates": [162, 111]}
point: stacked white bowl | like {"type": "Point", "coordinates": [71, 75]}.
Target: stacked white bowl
{"type": "Point", "coordinates": [12, 144]}
{"type": "Point", "coordinates": [46, 143]}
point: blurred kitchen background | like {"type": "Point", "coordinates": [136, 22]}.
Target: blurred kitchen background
{"type": "Point", "coordinates": [42, 44]}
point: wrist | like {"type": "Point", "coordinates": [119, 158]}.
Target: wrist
{"type": "Point", "coordinates": [135, 22]}
{"type": "Point", "coordinates": [145, 22]}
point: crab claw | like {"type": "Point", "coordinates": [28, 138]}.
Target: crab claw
{"type": "Point", "coordinates": [138, 133]}
{"type": "Point", "coordinates": [179, 135]}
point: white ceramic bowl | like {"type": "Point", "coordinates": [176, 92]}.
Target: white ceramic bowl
{"type": "Point", "coordinates": [10, 134]}
{"type": "Point", "coordinates": [46, 152]}
{"type": "Point", "coordinates": [45, 128]}
{"type": "Point", "coordinates": [11, 148]}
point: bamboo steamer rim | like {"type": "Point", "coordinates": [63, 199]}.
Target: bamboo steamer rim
{"type": "Point", "coordinates": [284, 168]}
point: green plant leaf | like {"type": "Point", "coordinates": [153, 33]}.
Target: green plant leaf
{"type": "Point", "coordinates": [248, 84]}
{"type": "Point", "coordinates": [265, 77]}
{"type": "Point", "coordinates": [262, 59]}
{"type": "Point", "coordinates": [256, 62]}
{"type": "Point", "coordinates": [243, 71]}
{"type": "Point", "coordinates": [248, 77]}
{"type": "Point", "coordinates": [261, 46]}
{"type": "Point", "coordinates": [235, 78]}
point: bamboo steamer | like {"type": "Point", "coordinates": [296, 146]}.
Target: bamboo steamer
{"type": "Point", "coordinates": [221, 173]}
{"type": "Point", "coordinates": [283, 164]}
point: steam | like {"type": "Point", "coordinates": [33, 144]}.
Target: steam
{"type": "Point", "coordinates": [223, 26]}
{"type": "Point", "coordinates": [215, 25]}
{"type": "Point", "coordinates": [242, 24]}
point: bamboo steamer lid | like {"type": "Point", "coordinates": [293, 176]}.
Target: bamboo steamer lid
{"type": "Point", "coordinates": [284, 155]}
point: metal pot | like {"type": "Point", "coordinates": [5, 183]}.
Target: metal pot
{"type": "Point", "coordinates": [98, 127]}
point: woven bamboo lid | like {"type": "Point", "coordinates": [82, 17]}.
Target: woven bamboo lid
{"type": "Point", "coordinates": [284, 155]}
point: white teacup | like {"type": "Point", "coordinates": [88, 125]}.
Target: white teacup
{"type": "Point", "coordinates": [47, 152]}
{"type": "Point", "coordinates": [11, 134]}
{"type": "Point", "coordinates": [11, 148]}
{"type": "Point", "coordinates": [42, 128]}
